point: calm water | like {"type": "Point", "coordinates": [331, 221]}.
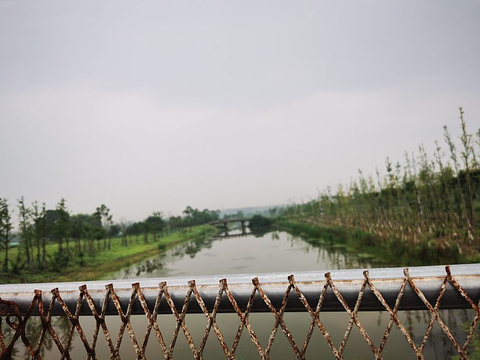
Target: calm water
{"type": "Point", "coordinates": [273, 252]}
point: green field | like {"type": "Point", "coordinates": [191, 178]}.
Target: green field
{"type": "Point", "coordinates": [82, 266]}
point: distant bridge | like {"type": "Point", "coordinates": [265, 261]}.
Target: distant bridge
{"type": "Point", "coordinates": [225, 223]}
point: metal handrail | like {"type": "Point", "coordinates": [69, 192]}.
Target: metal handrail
{"type": "Point", "coordinates": [387, 281]}
{"type": "Point", "coordinates": [392, 289]}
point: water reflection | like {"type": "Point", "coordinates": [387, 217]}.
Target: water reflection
{"type": "Point", "coordinates": [61, 325]}
{"type": "Point", "coordinates": [397, 347]}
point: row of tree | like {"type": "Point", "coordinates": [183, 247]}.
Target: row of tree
{"type": "Point", "coordinates": [76, 234]}
{"type": "Point", "coordinates": [38, 227]}
{"type": "Point", "coordinates": [425, 198]}
{"type": "Point", "coordinates": [155, 224]}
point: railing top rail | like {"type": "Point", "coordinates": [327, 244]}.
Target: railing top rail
{"type": "Point", "coordinates": [392, 289]}
{"type": "Point", "coordinates": [388, 281]}
{"type": "Point", "coordinates": [266, 278]}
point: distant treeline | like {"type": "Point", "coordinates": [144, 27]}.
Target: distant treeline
{"type": "Point", "coordinates": [433, 199]}
{"type": "Point", "coordinates": [76, 235]}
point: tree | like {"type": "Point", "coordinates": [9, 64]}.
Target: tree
{"type": "Point", "coordinates": [273, 212]}
{"type": "Point", "coordinates": [469, 161]}
{"type": "Point", "coordinates": [26, 229]}
{"type": "Point", "coordinates": [175, 222]}
{"type": "Point", "coordinates": [114, 230]}
{"type": "Point", "coordinates": [260, 225]}
{"type": "Point", "coordinates": [63, 226]}
{"type": "Point", "coordinates": [103, 214]}
{"type": "Point", "coordinates": [155, 224]}
{"type": "Point", "coordinates": [39, 234]}
{"type": "Point", "coordinates": [136, 229]}
{"type": "Point", "coordinates": [87, 227]}
{"type": "Point", "coordinates": [124, 230]}
{"type": "Point", "coordinates": [5, 230]}
{"type": "Point", "coordinates": [196, 217]}
{"type": "Point", "coordinates": [461, 205]}
{"type": "Point", "coordinates": [81, 225]}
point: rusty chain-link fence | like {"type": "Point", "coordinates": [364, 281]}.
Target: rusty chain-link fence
{"type": "Point", "coordinates": [388, 290]}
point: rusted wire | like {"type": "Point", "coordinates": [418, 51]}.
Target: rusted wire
{"type": "Point", "coordinates": [314, 296]}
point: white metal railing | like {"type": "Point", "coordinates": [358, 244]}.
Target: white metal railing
{"type": "Point", "coordinates": [391, 289]}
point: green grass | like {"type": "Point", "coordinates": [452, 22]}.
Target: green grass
{"type": "Point", "coordinates": [83, 266]}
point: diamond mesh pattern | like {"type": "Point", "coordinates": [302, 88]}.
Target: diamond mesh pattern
{"type": "Point", "coordinates": [16, 322]}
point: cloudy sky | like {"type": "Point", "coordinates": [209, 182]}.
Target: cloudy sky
{"type": "Point", "coordinates": [156, 105]}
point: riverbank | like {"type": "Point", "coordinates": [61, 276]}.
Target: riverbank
{"type": "Point", "coordinates": [92, 267]}
{"type": "Point", "coordinates": [384, 252]}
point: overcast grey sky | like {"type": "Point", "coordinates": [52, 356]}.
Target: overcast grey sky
{"type": "Point", "coordinates": [156, 105]}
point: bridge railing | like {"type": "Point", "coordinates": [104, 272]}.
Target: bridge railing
{"type": "Point", "coordinates": [226, 221]}
{"type": "Point", "coordinates": [351, 291]}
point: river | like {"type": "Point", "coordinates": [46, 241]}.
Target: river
{"type": "Point", "coordinates": [235, 254]}
{"type": "Point", "coordinates": [272, 252]}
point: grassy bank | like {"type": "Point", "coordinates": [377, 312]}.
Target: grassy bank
{"type": "Point", "coordinates": [83, 266]}
{"type": "Point", "coordinates": [387, 252]}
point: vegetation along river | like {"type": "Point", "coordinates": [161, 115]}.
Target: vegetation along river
{"type": "Point", "coordinates": [273, 252]}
